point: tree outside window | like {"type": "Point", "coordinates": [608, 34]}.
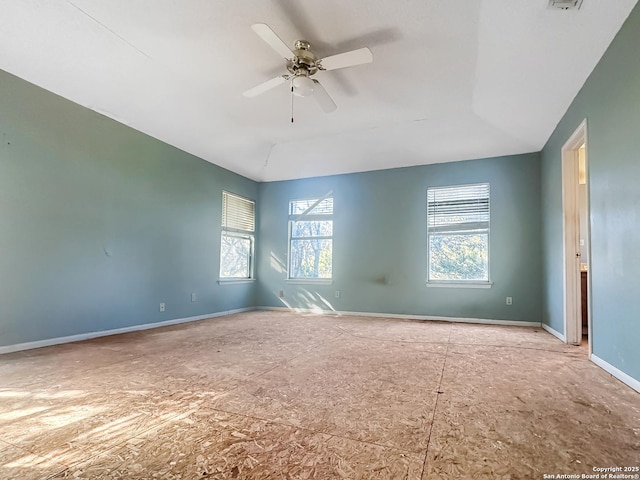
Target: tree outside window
{"type": "Point", "coordinates": [311, 238]}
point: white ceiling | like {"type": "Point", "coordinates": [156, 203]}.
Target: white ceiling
{"type": "Point", "coordinates": [451, 79]}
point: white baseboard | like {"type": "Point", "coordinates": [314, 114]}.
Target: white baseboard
{"type": "Point", "coordinates": [134, 328]}
{"type": "Point", "coordinates": [555, 333]}
{"type": "Point", "coordinates": [404, 316]}
{"type": "Point", "coordinates": [619, 374]}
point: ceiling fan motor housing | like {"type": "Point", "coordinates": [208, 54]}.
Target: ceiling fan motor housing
{"type": "Point", "coordinates": [304, 62]}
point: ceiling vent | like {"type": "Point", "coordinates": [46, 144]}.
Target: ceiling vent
{"type": "Point", "coordinates": [565, 4]}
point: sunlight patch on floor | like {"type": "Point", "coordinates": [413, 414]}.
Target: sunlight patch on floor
{"type": "Point", "coordinates": [21, 412]}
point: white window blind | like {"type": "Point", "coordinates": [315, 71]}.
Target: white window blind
{"type": "Point", "coordinates": [458, 234]}
{"type": "Point", "coordinates": [238, 213]}
{"type": "Point", "coordinates": [236, 241]}
{"type": "Point", "coordinates": [463, 208]}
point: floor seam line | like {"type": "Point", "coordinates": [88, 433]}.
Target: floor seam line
{"type": "Point", "coordinates": [387, 340]}
{"type": "Point", "coordinates": [435, 407]}
{"type": "Point", "coordinates": [515, 347]}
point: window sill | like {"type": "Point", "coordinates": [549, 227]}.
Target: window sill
{"type": "Point", "coordinates": [459, 284]}
{"type": "Point", "coordinates": [315, 281]}
{"type": "Point", "coordinates": [234, 281]}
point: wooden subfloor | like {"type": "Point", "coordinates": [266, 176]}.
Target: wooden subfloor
{"type": "Point", "coordinates": [275, 395]}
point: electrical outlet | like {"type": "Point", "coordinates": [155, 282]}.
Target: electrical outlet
{"type": "Point", "coordinates": [162, 307]}
{"type": "Point", "coordinates": [193, 297]}
{"type": "Point", "coordinates": [509, 300]}
{"type": "Point", "coordinates": [337, 293]}
{"type": "Point", "coordinates": [281, 294]}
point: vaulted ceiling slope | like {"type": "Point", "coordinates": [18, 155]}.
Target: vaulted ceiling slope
{"type": "Point", "coordinates": [451, 79]}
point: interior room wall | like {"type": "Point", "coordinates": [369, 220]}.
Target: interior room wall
{"type": "Point", "coordinates": [610, 101]}
{"type": "Point", "coordinates": [101, 223]}
{"type": "Point", "coordinates": [379, 243]}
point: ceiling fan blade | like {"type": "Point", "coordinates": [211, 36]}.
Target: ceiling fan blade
{"type": "Point", "coordinates": [347, 59]}
{"type": "Point", "coordinates": [263, 87]}
{"type": "Point", "coordinates": [322, 97]}
{"type": "Point", "coordinates": [265, 33]}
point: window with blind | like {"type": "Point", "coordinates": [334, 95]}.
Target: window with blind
{"type": "Point", "coordinates": [458, 234]}
{"type": "Point", "coordinates": [237, 238]}
{"type": "Point", "coordinates": [311, 238]}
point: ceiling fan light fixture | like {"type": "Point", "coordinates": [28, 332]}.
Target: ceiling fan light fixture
{"type": "Point", "coordinates": [302, 86]}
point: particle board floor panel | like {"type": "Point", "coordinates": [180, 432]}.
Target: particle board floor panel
{"type": "Point", "coordinates": [281, 395]}
{"type": "Point", "coordinates": [213, 444]}
{"type": "Point", "coordinates": [378, 392]}
{"type": "Point", "coordinates": [18, 464]}
{"type": "Point", "coordinates": [561, 415]}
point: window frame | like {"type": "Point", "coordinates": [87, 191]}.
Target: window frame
{"type": "Point", "coordinates": [459, 283]}
{"type": "Point", "coordinates": [309, 217]}
{"type": "Point", "coordinates": [238, 233]}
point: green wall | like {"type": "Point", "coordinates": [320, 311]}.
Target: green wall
{"type": "Point", "coordinates": [610, 101]}
{"type": "Point", "coordinates": [101, 223]}
{"type": "Point", "coordinates": [379, 246]}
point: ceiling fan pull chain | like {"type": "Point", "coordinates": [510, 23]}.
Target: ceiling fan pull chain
{"type": "Point", "coordinates": [291, 102]}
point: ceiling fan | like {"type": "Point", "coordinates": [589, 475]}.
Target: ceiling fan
{"type": "Point", "coordinates": [302, 64]}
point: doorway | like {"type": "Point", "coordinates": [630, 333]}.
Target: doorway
{"type": "Point", "coordinates": [575, 206]}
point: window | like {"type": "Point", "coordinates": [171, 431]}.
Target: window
{"type": "Point", "coordinates": [238, 226]}
{"type": "Point", "coordinates": [458, 234]}
{"type": "Point", "coordinates": [311, 238]}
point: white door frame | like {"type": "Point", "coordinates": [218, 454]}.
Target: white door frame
{"type": "Point", "coordinates": [571, 237]}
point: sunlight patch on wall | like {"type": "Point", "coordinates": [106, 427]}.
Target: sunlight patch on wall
{"type": "Point", "coordinates": [277, 264]}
